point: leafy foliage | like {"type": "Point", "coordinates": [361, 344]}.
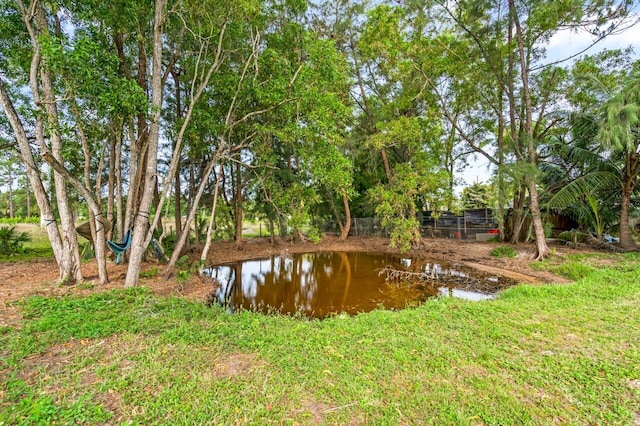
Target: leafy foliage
{"type": "Point", "coordinates": [504, 251]}
{"type": "Point", "coordinates": [477, 196]}
{"type": "Point", "coordinates": [11, 241]}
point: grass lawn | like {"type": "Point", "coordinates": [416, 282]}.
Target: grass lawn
{"type": "Point", "coordinates": [563, 354]}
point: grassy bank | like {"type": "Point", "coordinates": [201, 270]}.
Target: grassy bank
{"type": "Point", "coordinates": [567, 354]}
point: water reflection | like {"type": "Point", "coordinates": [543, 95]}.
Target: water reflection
{"type": "Point", "coordinates": [320, 284]}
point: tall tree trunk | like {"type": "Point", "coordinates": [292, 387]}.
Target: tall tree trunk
{"type": "Point", "coordinates": [140, 230]}
{"type": "Point", "coordinates": [96, 225]}
{"type": "Point", "coordinates": [347, 219]}
{"type": "Point", "coordinates": [119, 222]}
{"type": "Point", "coordinates": [47, 217]}
{"type": "Point", "coordinates": [238, 205]}
{"type": "Point", "coordinates": [500, 216]}
{"type": "Point", "coordinates": [177, 214]}
{"type": "Point", "coordinates": [177, 187]}
{"type": "Point", "coordinates": [70, 253]}
{"type": "Point", "coordinates": [10, 182]}
{"type": "Point", "coordinates": [111, 184]}
{"type": "Point", "coordinates": [27, 188]}
{"type": "Point", "coordinates": [335, 212]}
{"type": "Point", "coordinates": [536, 216]}
{"type": "Point", "coordinates": [385, 162]}
{"type": "Point", "coordinates": [626, 239]}
{"type": "Point", "coordinates": [190, 216]}
{"type": "Point", "coordinates": [140, 141]}
{"type": "Point", "coordinates": [518, 213]}
{"type": "Point", "coordinates": [133, 173]}
{"type": "Point", "coordinates": [212, 222]}
{"type": "Point", "coordinates": [191, 194]}
{"type": "Point", "coordinates": [156, 202]}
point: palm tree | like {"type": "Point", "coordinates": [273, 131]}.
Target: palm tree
{"type": "Point", "coordinates": [620, 132]}
{"type": "Point", "coordinates": [606, 148]}
{"type": "Point", "coordinates": [583, 181]}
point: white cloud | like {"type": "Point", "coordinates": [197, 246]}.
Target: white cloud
{"type": "Point", "coordinates": [569, 42]}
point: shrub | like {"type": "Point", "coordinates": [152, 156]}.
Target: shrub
{"type": "Point", "coordinates": [19, 219]}
{"type": "Point", "coordinates": [11, 241]}
{"type": "Point", "coordinates": [314, 235]}
{"type": "Point", "coordinates": [504, 251]}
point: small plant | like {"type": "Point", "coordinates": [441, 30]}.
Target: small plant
{"type": "Point", "coordinates": [11, 241]}
{"type": "Point", "coordinates": [151, 273]}
{"type": "Point", "coordinates": [504, 251]}
{"type": "Point", "coordinates": [314, 235]}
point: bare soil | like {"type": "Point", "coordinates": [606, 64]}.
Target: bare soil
{"type": "Point", "coordinates": [19, 280]}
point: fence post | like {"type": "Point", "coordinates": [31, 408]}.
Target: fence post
{"type": "Point", "coordinates": [464, 219]}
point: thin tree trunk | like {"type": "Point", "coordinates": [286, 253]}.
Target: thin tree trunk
{"type": "Point", "coordinates": [536, 216]}
{"type": "Point", "coordinates": [238, 205]}
{"type": "Point", "coordinates": [212, 220]}
{"type": "Point", "coordinates": [347, 220]}
{"type": "Point", "coordinates": [97, 229]}
{"type": "Point", "coordinates": [119, 219]}
{"type": "Point", "coordinates": [11, 209]}
{"type": "Point", "coordinates": [47, 217]}
{"type": "Point", "coordinates": [140, 230]}
{"type": "Point", "coordinates": [517, 216]}
{"type": "Point", "coordinates": [177, 187]}
{"type": "Point", "coordinates": [272, 236]}
{"type": "Point", "coordinates": [27, 188]}
{"type": "Point", "coordinates": [626, 239]}
{"type": "Point", "coordinates": [190, 216]}
{"type": "Point", "coordinates": [385, 161]}
{"type": "Point", "coordinates": [111, 184]}
{"type": "Point", "coordinates": [335, 212]}
{"type": "Point", "coordinates": [133, 166]}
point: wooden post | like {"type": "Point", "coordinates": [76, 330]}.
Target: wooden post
{"type": "Point", "coordinates": [464, 219]}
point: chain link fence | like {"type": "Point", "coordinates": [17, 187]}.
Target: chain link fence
{"type": "Point", "coordinates": [475, 224]}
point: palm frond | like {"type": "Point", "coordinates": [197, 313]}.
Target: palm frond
{"type": "Point", "coordinates": [577, 189]}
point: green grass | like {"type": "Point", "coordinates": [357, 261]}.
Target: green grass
{"type": "Point", "coordinates": [504, 251]}
{"type": "Point", "coordinates": [567, 354]}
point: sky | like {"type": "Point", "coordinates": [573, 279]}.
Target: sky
{"type": "Point", "coordinates": [562, 45]}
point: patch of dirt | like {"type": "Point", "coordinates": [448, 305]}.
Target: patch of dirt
{"type": "Point", "coordinates": [234, 365]}
{"type": "Point", "coordinates": [53, 370]}
{"type": "Point", "coordinates": [23, 279]}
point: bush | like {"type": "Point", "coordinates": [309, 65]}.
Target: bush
{"type": "Point", "coordinates": [11, 241]}
{"type": "Point", "coordinates": [19, 219]}
{"type": "Point", "coordinates": [504, 251]}
{"type": "Point", "coordinates": [314, 235]}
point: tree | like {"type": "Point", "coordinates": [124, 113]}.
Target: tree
{"type": "Point", "coordinates": [509, 45]}
{"type": "Point", "coordinates": [596, 167]}
{"type": "Point", "coordinates": [477, 196]}
{"type": "Point", "coordinates": [8, 177]}
{"type": "Point", "coordinates": [620, 131]}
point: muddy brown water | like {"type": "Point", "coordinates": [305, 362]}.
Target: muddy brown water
{"type": "Point", "coordinates": [322, 284]}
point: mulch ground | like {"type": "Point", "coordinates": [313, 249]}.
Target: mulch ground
{"type": "Point", "coordinates": [19, 280]}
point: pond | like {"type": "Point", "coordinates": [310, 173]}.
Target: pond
{"type": "Point", "coordinates": [321, 284]}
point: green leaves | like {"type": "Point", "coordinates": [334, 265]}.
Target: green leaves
{"type": "Point", "coordinates": [11, 241]}
{"type": "Point", "coordinates": [621, 124]}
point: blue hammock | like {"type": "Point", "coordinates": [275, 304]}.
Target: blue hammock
{"type": "Point", "coordinates": [119, 248]}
